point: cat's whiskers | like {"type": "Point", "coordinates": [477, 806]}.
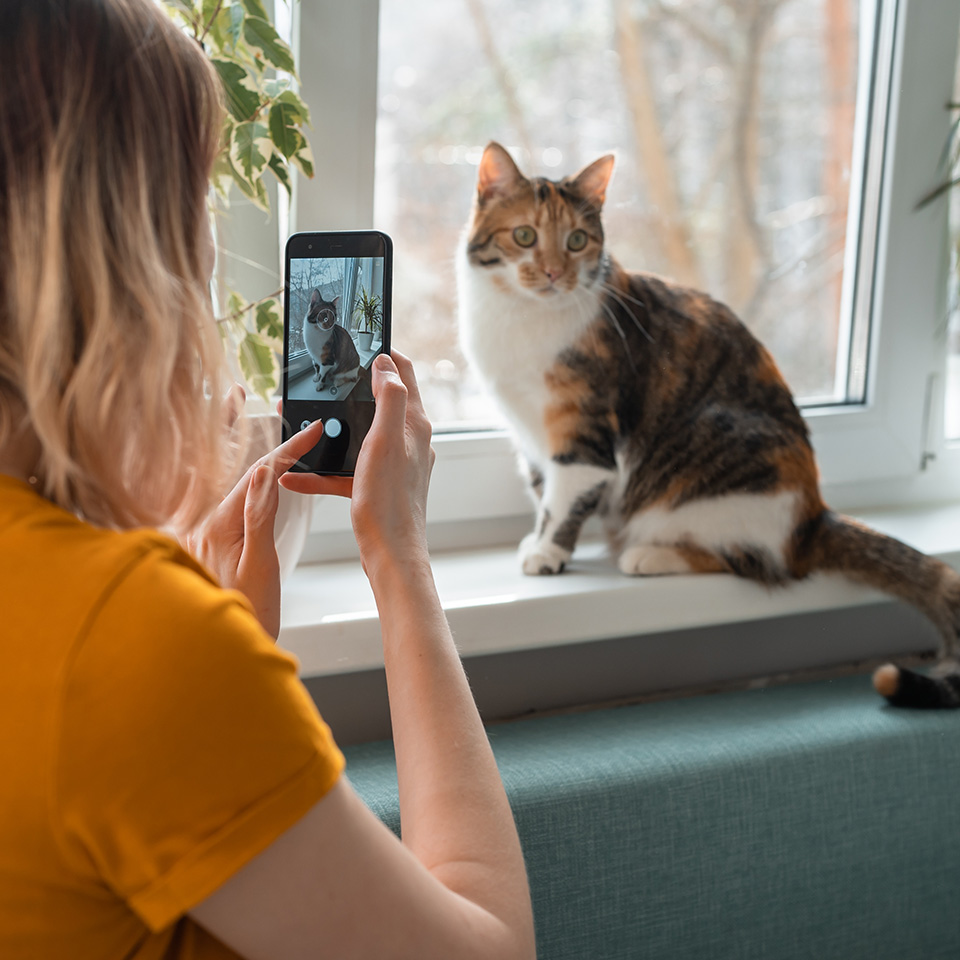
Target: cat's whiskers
{"type": "Point", "coordinates": [613, 319]}
{"type": "Point", "coordinates": [626, 296]}
{"type": "Point", "coordinates": [619, 296]}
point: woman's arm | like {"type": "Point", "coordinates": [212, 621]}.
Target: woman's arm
{"type": "Point", "coordinates": [338, 883]}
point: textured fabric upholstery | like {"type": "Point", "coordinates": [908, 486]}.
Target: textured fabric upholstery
{"type": "Point", "coordinates": [806, 821]}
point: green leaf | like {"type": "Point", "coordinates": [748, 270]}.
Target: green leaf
{"type": "Point", "coordinates": [260, 197]}
{"type": "Point", "coordinates": [222, 177]}
{"type": "Point", "coordinates": [283, 128]}
{"type": "Point", "coordinates": [228, 27]}
{"type": "Point", "coordinates": [251, 149]}
{"type": "Point", "coordinates": [253, 190]}
{"type": "Point", "coordinates": [259, 365]}
{"type": "Point", "coordinates": [185, 9]}
{"type": "Point", "coordinates": [255, 8]}
{"type": "Point", "coordinates": [259, 33]}
{"type": "Point", "coordinates": [303, 158]}
{"type": "Point", "coordinates": [281, 171]}
{"type": "Point", "coordinates": [243, 100]}
{"type": "Point", "coordinates": [303, 111]}
{"type": "Point", "coordinates": [226, 173]}
{"type": "Point", "coordinates": [208, 10]}
{"type": "Point", "coordinates": [235, 304]}
{"type": "Point", "coordinates": [269, 320]}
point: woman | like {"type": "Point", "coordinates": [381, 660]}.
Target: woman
{"type": "Point", "coordinates": [168, 788]}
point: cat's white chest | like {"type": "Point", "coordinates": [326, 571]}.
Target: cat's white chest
{"type": "Point", "coordinates": [315, 338]}
{"type": "Point", "coordinates": [512, 340]}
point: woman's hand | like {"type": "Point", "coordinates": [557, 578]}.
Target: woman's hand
{"type": "Point", "coordinates": [389, 487]}
{"type": "Point", "coordinates": [235, 541]}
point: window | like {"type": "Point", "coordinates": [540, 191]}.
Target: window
{"type": "Point", "coordinates": [951, 171]}
{"type": "Point", "coordinates": [874, 280]}
{"type": "Point", "coordinates": [734, 130]}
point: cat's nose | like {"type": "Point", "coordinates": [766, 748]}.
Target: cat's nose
{"type": "Point", "coordinates": [552, 273]}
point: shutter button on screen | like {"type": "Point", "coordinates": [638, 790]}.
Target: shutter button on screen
{"type": "Point", "coordinates": [332, 427]}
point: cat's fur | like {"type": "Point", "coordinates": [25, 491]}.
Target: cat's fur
{"type": "Point", "coordinates": [332, 350]}
{"type": "Point", "coordinates": [654, 406]}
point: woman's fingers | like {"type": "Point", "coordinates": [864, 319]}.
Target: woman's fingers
{"type": "Point", "coordinates": [405, 369]}
{"type": "Point", "coordinates": [290, 451]}
{"type": "Point", "coordinates": [317, 484]}
{"type": "Point", "coordinates": [414, 412]}
{"type": "Point", "coordinates": [393, 383]}
{"type": "Point", "coordinates": [390, 392]}
{"type": "Point", "coordinates": [259, 513]}
{"type": "Point", "coordinates": [279, 460]}
{"type": "Point", "coordinates": [233, 404]}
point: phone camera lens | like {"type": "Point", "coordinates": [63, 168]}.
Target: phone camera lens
{"type": "Point", "coordinates": [309, 246]}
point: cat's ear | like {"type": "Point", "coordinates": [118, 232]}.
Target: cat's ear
{"type": "Point", "coordinates": [314, 297]}
{"type": "Point", "coordinates": [498, 174]}
{"type": "Point", "coordinates": [592, 181]}
{"type": "Point", "coordinates": [333, 302]}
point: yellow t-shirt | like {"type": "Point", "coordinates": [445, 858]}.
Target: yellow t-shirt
{"type": "Point", "coordinates": [153, 739]}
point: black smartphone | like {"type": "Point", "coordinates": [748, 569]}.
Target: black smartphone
{"type": "Point", "coordinates": [336, 320]}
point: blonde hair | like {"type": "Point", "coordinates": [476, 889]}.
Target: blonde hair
{"type": "Point", "coordinates": [109, 125]}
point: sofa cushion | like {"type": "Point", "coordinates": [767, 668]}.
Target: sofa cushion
{"type": "Point", "coordinates": [798, 821]}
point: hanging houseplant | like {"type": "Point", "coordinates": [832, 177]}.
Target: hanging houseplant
{"type": "Point", "coordinates": [262, 136]}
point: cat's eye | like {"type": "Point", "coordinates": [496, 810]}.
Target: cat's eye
{"type": "Point", "coordinates": [577, 240]}
{"type": "Point", "coordinates": [525, 236]}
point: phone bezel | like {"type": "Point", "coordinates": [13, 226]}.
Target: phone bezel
{"type": "Point", "coordinates": [331, 245]}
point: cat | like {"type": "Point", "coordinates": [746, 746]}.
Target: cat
{"type": "Point", "coordinates": [652, 405]}
{"type": "Point", "coordinates": [335, 358]}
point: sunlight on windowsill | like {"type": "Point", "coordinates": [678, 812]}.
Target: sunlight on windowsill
{"type": "Point", "coordinates": [330, 620]}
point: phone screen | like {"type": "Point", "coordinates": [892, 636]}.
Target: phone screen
{"type": "Point", "coordinates": [336, 322]}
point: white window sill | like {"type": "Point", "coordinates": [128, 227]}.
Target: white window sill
{"type": "Point", "coordinates": [330, 624]}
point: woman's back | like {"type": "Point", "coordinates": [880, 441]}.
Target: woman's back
{"type": "Point", "coordinates": [152, 736]}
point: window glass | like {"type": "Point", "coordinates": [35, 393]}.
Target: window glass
{"type": "Point", "coordinates": [952, 171]}
{"type": "Point", "coordinates": [733, 125]}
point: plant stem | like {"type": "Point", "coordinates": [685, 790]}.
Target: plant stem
{"type": "Point", "coordinates": [209, 24]}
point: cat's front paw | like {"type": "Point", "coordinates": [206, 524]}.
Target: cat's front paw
{"type": "Point", "coordinates": [538, 558]}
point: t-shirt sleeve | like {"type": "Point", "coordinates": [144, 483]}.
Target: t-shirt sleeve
{"type": "Point", "coordinates": [187, 742]}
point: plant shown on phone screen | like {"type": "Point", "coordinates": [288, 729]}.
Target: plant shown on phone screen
{"type": "Point", "coordinates": [263, 136]}
{"type": "Point", "coordinates": [369, 312]}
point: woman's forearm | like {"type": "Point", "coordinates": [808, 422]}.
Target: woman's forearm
{"type": "Point", "coordinates": [455, 814]}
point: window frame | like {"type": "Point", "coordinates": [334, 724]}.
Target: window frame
{"type": "Point", "coordinates": [886, 450]}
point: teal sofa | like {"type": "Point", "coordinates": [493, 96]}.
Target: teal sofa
{"type": "Point", "coordinates": [799, 821]}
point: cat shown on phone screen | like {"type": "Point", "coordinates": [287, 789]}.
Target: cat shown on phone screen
{"type": "Point", "coordinates": [332, 350]}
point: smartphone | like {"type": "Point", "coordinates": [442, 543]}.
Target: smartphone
{"type": "Point", "coordinates": [336, 320]}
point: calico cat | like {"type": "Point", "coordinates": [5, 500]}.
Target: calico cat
{"type": "Point", "coordinates": [654, 406]}
{"type": "Point", "coordinates": [334, 354]}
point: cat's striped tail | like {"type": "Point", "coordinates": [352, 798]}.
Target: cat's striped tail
{"type": "Point", "coordinates": [837, 543]}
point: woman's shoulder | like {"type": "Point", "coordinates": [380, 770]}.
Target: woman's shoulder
{"type": "Point", "coordinates": [70, 571]}
{"type": "Point", "coordinates": [39, 531]}
{"type": "Point", "coordinates": [160, 591]}
{"type": "Point", "coordinates": [163, 623]}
